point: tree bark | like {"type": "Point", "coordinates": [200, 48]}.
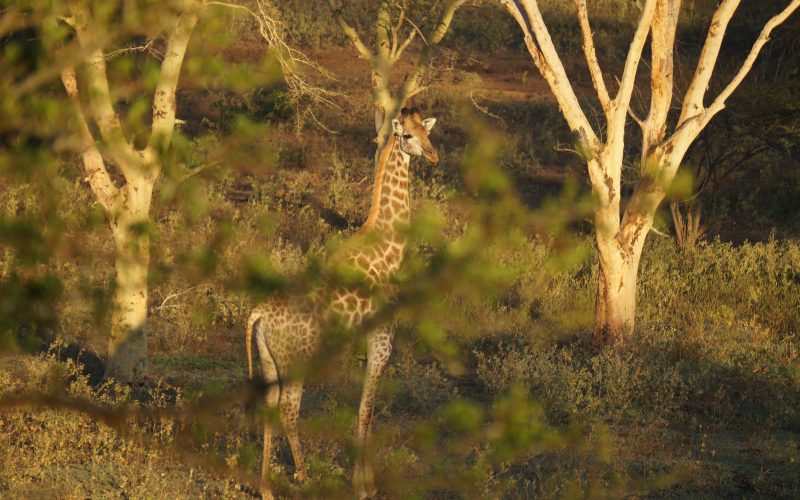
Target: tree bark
{"type": "Point", "coordinates": [619, 246]}
{"type": "Point", "coordinates": [615, 309]}
{"type": "Point", "coordinates": [127, 353]}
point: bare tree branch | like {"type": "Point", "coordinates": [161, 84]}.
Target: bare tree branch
{"type": "Point", "coordinates": [397, 50]}
{"type": "Point", "coordinates": [591, 56]}
{"type": "Point", "coordinates": [101, 106]}
{"type": "Point", "coordinates": [544, 54]}
{"type": "Point", "coordinates": [637, 118]}
{"type": "Point", "coordinates": [145, 47]}
{"type": "Point", "coordinates": [97, 175]}
{"type": "Point", "coordinates": [412, 83]}
{"type": "Point", "coordinates": [349, 31]}
{"type": "Point", "coordinates": [445, 19]}
{"type": "Point", "coordinates": [388, 50]}
{"type": "Point", "coordinates": [763, 38]}
{"type": "Point", "coordinates": [622, 101]}
{"type": "Point", "coordinates": [419, 31]}
{"type": "Point", "coordinates": [396, 29]}
{"type": "Point", "coordinates": [276, 34]}
{"type": "Point", "coordinates": [690, 126]}
{"type": "Point", "coordinates": [693, 100]}
{"type": "Point", "coordinates": [664, 28]}
{"type": "Point", "coordinates": [164, 97]}
{"type": "Point", "coordinates": [291, 60]}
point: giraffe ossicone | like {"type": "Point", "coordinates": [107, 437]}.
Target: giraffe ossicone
{"type": "Point", "coordinates": [288, 330]}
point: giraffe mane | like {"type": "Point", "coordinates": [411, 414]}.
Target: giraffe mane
{"type": "Point", "coordinates": [378, 188]}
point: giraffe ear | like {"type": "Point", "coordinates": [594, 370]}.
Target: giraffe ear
{"type": "Point", "coordinates": [397, 126]}
{"type": "Point", "coordinates": [428, 123]}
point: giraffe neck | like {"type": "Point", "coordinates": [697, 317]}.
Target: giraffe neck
{"type": "Point", "coordinates": [390, 201]}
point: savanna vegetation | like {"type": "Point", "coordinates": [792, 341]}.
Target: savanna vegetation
{"type": "Point", "coordinates": [498, 384]}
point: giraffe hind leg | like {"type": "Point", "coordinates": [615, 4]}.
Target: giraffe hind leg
{"type": "Point", "coordinates": [290, 397]}
{"type": "Point", "coordinates": [270, 371]}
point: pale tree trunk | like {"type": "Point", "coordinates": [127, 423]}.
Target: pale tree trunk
{"type": "Point", "coordinates": [615, 308]}
{"type": "Point", "coordinates": [620, 236]}
{"type": "Point", "coordinates": [127, 351]}
{"type": "Point", "coordinates": [619, 247]}
{"type": "Point", "coordinates": [128, 206]}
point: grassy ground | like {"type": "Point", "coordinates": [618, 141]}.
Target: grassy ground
{"type": "Point", "coordinates": [705, 403]}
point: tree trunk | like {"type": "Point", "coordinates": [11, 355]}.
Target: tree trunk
{"type": "Point", "coordinates": [615, 310]}
{"type": "Point", "coordinates": [619, 250]}
{"type": "Point", "coordinates": [127, 350]}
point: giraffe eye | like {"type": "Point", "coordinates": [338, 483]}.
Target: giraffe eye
{"type": "Point", "coordinates": [406, 136]}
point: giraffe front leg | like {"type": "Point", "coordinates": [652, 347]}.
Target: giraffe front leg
{"type": "Point", "coordinates": [379, 347]}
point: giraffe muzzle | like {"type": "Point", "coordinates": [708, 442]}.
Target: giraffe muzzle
{"type": "Point", "coordinates": [432, 156]}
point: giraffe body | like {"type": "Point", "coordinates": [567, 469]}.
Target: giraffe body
{"type": "Point", "coordinates": [288, 331]}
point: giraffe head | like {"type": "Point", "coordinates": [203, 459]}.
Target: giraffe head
{"type": "Point", "coordinates": [412, 132]}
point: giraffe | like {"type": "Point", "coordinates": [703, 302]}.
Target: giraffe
{"type": "Point", "coordinates": [288, 330]}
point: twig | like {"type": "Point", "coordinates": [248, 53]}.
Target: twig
{"type": "Point", "coordinates": [176, 295]}
{"type": "Point", "coordinates": [483, 109]}
{"type": "Point", "coordinates": [421, 35]}
{"type": "Point", "coordinates": [636, 118]}
{"type": "Point", "coordinates": [135, 48]}
{"type": "Point", "coordinates": [198, 170]}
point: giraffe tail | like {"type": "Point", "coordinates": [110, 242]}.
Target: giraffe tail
{"type": "Point", "coordinates": [255, 324]}
{"type": "Point", "coordinates": [252, 323]}
{"type": "Point", "coordinates": [255, 327]}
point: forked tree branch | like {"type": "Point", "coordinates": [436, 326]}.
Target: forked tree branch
{"type": "Point", "coordinates": [388, 51]}
{"type": "Point", "coordinates": [100, 103]}
{"type": "Point", "coordinates": [690, 126]}
{"type": "Point", "coordinates": [667, 157]}
{"type": "Point", "coordinates": [639, 121]}
{"type": "Point", "coordinates": [399, 47]}
{"type": "Point", "coordinates": [396, 33]}
{"type": "Point", "coordinates": [398, 52]}
{"type": "Point", "coordinates": [411, 86]}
